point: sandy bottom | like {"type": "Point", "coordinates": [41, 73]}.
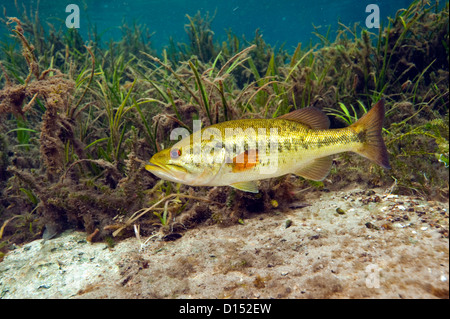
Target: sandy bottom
{"type": "Point", "coordinates": [352, 244]}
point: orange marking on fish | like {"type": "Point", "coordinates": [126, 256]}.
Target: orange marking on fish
{"type": "Point", "coordinates": [244, 162]}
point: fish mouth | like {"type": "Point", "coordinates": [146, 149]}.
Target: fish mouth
{"type": "Point", "coordinates": [160, 171]}
{"type": "Point", "coordinates": [166, 169]}
{"type": "Point", "coordinates": [152, 167]}
{"type": "Point", "coordinates": [155, 167]}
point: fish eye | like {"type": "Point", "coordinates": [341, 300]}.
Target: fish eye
{"type": "Point", "coordinates": [175, 153]}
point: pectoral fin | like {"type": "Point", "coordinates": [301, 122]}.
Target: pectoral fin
{"type": "Point", "coordinates": [250, 187]}
{"type": "Point", "coordinates": [316, 170]}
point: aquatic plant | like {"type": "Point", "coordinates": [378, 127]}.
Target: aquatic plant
{"type": "Point", "coordinates": [53, 197]}
{"type": "Point", "coordinates": [344, 113]}
{"type": "Point", "coordinates": [201, 43]}
{"type": "Point", "coordinates": [4, 159]}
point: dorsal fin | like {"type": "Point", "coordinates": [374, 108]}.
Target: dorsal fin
{"type": "Point", "coordinates": [310, 116]}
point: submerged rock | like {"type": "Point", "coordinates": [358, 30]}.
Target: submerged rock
{"type": "Point", "coordinates": [56, 268]}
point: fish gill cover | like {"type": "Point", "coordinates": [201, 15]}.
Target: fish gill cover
{"type": "Point", "coordinates": [83, 109]}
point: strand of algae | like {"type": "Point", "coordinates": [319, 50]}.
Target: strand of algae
{"type": "Point", "coordinates": [138, 214]}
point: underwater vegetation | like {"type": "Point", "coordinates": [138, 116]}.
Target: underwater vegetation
{"type": "Point", "coordinates": [79, 122]}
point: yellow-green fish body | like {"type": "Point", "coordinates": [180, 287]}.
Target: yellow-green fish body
{"type": "Point", "coordinates": [240, 152]}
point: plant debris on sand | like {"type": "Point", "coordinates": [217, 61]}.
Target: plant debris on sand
{"type": "Point", "coordinates": [322, 254]}
{"type": "Point", "coordinates": [79, 122]}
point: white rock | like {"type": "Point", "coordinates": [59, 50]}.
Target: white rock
{"type": "Point", "coordinates": [58, 267]}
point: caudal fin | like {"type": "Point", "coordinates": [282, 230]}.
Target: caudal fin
{"type": "Point", "coordinates": [369, 128]}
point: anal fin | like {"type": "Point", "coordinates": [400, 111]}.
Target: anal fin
{"type": "Point", "coordinates": [317, 170]}
{"type": "Point", "coordinates": [250, 187]}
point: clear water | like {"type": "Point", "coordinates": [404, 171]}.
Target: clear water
{"type": "Point", "coordinates": [281, 22]}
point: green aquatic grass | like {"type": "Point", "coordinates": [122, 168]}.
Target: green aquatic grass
{"type": "Point", "coordinates": [82, 77]}
{"type": "Point", "coordinates": [201, 88]}
{"type": "Point", "coordinates": [348, 116]}
{"type": "Point", "coordinates": [116, 123]}
{"type": "Point", "coordinates": [22, 134]}
{"type": "Point", "coordinates": [150, 132]}
{"type": "Point", "coordinates": [31, 197]}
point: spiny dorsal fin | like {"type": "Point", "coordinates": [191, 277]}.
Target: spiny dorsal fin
{"type": "Point", "coordinates": [317, 170]}
{"type": "Point", "coordinates": [310, 116]}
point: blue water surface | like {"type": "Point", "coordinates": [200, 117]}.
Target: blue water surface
{"type": "Point", "coordinates": [280, 22]}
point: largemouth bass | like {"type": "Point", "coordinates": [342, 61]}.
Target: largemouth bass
{"type": "Point", "coordinates": [240, 152]}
